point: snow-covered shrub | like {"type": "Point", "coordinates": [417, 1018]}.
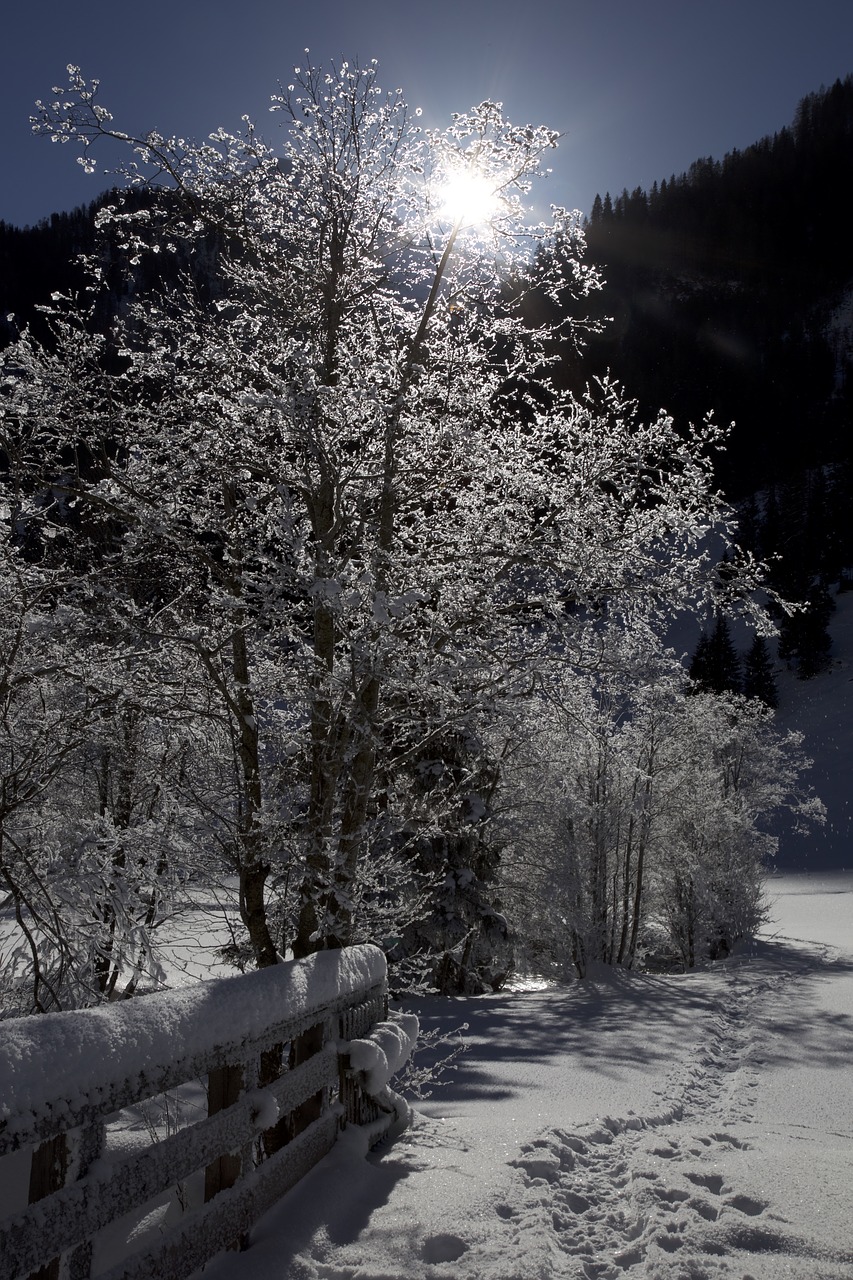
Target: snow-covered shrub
{"type": "Point", "coordinates": [732, 772]}
{"type": "Point", "coordinates": [637, 808]}
{"type": "Point", "coordinates": [110, 778]}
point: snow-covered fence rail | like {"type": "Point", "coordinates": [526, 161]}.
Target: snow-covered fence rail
{"type": "Point", "coordinates": [289, 1055]}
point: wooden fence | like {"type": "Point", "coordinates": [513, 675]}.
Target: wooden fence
{"type": "Point", "coordinates": [271, 1049]}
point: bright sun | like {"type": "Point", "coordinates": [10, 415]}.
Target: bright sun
{"type": "Point", "coordinates": [468, 198]}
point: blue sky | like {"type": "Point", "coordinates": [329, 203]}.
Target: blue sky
{"type": "Point", "coordinates": [640, 88]}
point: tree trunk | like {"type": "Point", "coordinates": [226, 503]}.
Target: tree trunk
{"type": "Point", "coordinates": [329, 744]}
{"type": "Point", "coordinates": [254, 867]}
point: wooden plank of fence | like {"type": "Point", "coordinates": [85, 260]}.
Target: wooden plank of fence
{"type": "Point", "coordinates": [48, 1168]}
{"type": "Point", "coordinates": [302, 1048]}
{"type": "Point", "coordinates": [224, 1086]}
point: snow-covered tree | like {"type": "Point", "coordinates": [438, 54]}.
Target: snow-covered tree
{"type": "Point", "coordinates": [734, 771]}
{"type": "Point", "coordinates": [44, 718]}
{"type": "Point", "coordinates": [96, 827]}
{"type": "Point", "coordinates": [638, 809]}
{"type": "Point", "coordinates": [342, 483]}
{"type": "Point", "coordinates": [585, 790]}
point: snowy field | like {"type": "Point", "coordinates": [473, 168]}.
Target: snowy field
{"type": "Point", "coordinates": [680, 1128]}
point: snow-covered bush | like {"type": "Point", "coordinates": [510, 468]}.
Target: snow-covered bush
{"type": "Point", "coordinates": [638, 809]}
{"type": "Point", "coordinates": [110, 782]}
{"type": "Point", "coordinates": [732, 771]}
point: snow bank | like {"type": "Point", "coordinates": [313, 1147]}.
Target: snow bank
{"type": "Point", "coordinates": [380, 1055]}
{"type": "Point", "coordinates": [56, 1064]}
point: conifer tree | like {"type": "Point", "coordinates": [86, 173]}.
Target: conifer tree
{"type": "Point", "coordinates": [699, 663]}
{"type": "Point", "coordinates": [804, 639]}
{"type": "Point", "coordinates": [814, 643]}
{"type": "Point", "coordinates": [758, 679]}
{"type": "Point", "coordinates": [715, 667]}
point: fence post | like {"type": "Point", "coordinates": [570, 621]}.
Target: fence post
{"type": "Point", "coordinates": [271, 1066]}
{"type": "Point", "coordinates": [89, 1146]}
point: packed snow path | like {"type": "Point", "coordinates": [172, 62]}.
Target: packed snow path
{"type": "Point", "coordinates": [675, 1128]}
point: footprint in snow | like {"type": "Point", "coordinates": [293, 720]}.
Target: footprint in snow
{"type": "Point", "coordinates": [727, 1140]}
{"type": "Point", "coordinates": [746, 1204]}
{"type": "Point", "coordinates": [443, 1248]}
{"type": "Point", "coordinates": [710, 1181]}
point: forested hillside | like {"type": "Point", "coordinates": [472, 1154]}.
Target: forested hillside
{"type": "Point", "coordinates": [731, 289]}
{"type": "Point", "coordinates": [61, 254]}
{"type": "Point", "coordinates": [37, 261]}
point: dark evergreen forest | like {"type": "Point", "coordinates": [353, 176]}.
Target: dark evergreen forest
{"type": "Point", "coordinates": [731, 289]}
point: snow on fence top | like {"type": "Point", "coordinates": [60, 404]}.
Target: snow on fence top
{"type": "Point", "coordinates": [380, 1055]}
{"type": "Point", "coordinates": [92, 1058]}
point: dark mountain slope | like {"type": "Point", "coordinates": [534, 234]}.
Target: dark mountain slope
{"type": "Point", "coordinates": [731, 288]}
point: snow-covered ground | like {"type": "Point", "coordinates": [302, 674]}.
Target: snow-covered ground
{"type": "Point", "coordinates": [681, 1128]}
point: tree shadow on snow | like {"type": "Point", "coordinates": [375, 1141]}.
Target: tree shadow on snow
{"type": "Point", "coordinates": [801, 1031]}
{"type": "Point", "coordinates": [618, 1020]}
{"type": "Point", "coordinates": [612, 1022]}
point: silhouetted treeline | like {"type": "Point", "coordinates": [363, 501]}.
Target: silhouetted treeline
{"type": "Point", "coordinates": [39, 262]}
{"type": "Point", "coordinates": [36, 262]}
{"type": "Point", "coordinates": [731, 289]}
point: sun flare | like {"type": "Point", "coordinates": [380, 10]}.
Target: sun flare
{"type": "Point", "coordinates": [468, 198]}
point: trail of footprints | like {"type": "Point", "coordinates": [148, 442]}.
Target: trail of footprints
{"type": "Point", "coordinates": [616, 1199]}
{"type": "Point", "coordinates": [645, 1196]}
